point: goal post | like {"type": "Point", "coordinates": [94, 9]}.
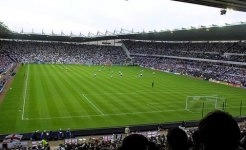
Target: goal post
{"type": "Point", "coordinates": [196, 103]}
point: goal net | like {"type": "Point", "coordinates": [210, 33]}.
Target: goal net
{"type": "Point", "coordinates": [208, 103]}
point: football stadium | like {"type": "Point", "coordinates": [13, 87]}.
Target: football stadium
{"type": "Point", "coordinates": [61, 91]}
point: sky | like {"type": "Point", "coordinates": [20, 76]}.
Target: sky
{"type": "Point", "coordinates": [84, 16]}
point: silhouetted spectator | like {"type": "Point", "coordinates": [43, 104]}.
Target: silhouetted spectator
{"type": "Point", "coordinates": [35, 136]}
{"type": "Point", "coordinates": [219, 131]}
{"type": "Point", "coordinates": [134, 142]}
{"type": "Point", "coordinates": [68, 134]}
{"type": "Point", "coordinates": [177, 139]}
{"type": "Point", "coordinates": [152, 146]}
{"type": "Point", "coordinates": [60, 134]}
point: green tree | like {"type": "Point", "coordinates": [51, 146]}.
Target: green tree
{"type": "Point", "coordinates": [3, 28]}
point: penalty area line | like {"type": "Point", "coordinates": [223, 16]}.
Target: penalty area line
{"type": "Point", "coordinates": [106, 115]}
{"type": "Point", "coordinates": [98, 110]}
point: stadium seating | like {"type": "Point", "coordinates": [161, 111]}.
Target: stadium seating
{"type": "Point", "coordinates": [202, 60]}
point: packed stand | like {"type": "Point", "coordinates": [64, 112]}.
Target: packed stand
{"type": "Point", "coordinates": [149, 54]}
{"type": "Point", "coordinates": [5, 62]}
{"type": "Point", "coordinates": [215, 71]}
{"type": "Point", "coordinates": [217, 130]}
{"type": "Point", "coordinates": [2, 83]}
{"type": "Point", "coordinates": [114, 142]}
{"type": "Point", "coordinates": [227, 51]}
{"type": "Point", "coordinates": [66, 53]}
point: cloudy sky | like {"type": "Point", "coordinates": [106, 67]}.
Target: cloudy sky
{"type": "Point", "coordinates": [83, 16]}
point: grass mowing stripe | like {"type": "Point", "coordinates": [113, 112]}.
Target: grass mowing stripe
{"type": "Point", "coordinates": [102, 83]}
{"type": "Point", "coordinates": [91, 101]}
{"type": "Point", "coordinates": [54, 94]}
{"type": "Point", "coordinates": [62, 92]}
{"type": "Point", "coordinates": [45, 104]}
{"type": "Point", "coordinates": [75, 77]}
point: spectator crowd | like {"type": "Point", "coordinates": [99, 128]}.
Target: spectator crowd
{"type": "Point", "coordinates": [218, 130]}
{"type": "Point", "coordinates": [66, 53]}
{"type": "Point", "coordinates": [179, 58]}
{"type": "Point", "coordinates": [5, 64]}
{"type": "Point", "coordinates": [228, 51]}
{"type": "Point", "coordinates": [207, 70]}
{"type": "Point", "coordinates": [171, 57]}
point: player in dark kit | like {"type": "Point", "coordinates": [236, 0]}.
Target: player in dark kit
{"type": "Point", "coordinates": [153, 83]}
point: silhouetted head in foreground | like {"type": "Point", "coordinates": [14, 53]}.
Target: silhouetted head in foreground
{"type": "Point", "coordinates": [134, 142]}
{"type": "Point", "coordinates": [218, 130]}
{"type": "Point", "coordinates": [177, 139]}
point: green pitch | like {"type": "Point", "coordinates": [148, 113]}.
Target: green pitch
{"type": "Point", "coordinates": [50, 97]}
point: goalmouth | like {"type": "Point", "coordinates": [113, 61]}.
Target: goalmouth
{"type": "Point", "coordinates": [197, 103]}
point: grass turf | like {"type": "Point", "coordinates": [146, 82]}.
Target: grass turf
{"type": "Point", "coordinates": [50, 97]}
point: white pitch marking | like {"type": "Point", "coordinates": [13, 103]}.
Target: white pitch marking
{"type": "Point", "coordinates": [24, 97]}
{"type": "Point", "coordinates": [129, 93]}
{"type": "Point", "coordinates": [104, 115]}
{"type": "Point", "coordinates": [93, 105]}
{"type": "Point", "coordinates": [119, 114]}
